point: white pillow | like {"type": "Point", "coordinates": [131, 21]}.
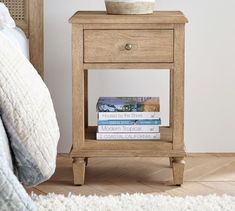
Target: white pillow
{"type": "Point", "coordinates": [18, 39]}
{"type": "Point", "coordinates": [6, 21]}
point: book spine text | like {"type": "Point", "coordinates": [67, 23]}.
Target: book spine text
{"type": "Point", "coordinates": [128, 115]}
{"type": "Point", "coordinates": [127, 136]}
{"type": "Point", "coordinates": [129, 128]}
{"type": "Point", "coordinates": [130, 122]}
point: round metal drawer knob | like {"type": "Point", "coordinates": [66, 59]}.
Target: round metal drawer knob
{"type": "Point", "coordinates": [128, 47]}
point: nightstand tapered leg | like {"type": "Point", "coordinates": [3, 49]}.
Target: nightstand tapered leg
{"type": "Point", "coordinates": [79, 165]}
{"type": "Point", "coordinates": [178, 170]}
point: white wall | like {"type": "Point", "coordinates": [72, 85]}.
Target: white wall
{"type": "Point", "coordinates": [210, 71]}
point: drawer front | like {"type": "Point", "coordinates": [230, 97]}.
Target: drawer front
{"type": "Point", "coordinates": [128, 46]}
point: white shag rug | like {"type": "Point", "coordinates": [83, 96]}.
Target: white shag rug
{"type": "Point", "coordinates": [135, 202]}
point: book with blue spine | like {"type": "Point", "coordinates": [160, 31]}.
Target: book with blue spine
{"type": "Point", "coordinates": [130, 122]}
{"type": "Point", "coordinates": [128, 104]}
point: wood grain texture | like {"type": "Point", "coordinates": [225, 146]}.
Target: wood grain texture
{"type": "Point", "coordinates": [79, 165]}
{"type": "Point", "coordinates": [102, 17]}
{"type": "Point", "coordinates": [124, 66]}
{"type": "Point", "coordinates": [92, 148]}
{"type": "Point", "coordinates": [102, 47]}
{"type": "Point", "coordinates": [128, 26]}
{"type": "Point", "coordinates": [178, 170]}
{"type": "Point", "coordinates": [78, 87]}
{"type": "Point", "coordinates": [28, 15]}
{"type": "Point", "coordinates": [127, 153]}
{"type": "Point", "coordinates": [204, 174]}
{"type": "Point", "coordinates": [178, 88]}
{"type": "Point", "coordinates": [127, 145]}
{"type": "Point", "coordinates": [36, 41]}
{"type": "Point", "coordinates": [146, 46]}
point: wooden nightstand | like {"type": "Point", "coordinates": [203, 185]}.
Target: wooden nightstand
{"type": "Point", "coordinates": [102, 41]}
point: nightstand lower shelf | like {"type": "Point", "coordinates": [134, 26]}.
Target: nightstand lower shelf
{"type": "Point", "coordinates": [127, 148]}
{"type": "Point", "coordinates": [148, 148]}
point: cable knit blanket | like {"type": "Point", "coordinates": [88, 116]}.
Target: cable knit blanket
{"type": "Point", "coordinates": [28, 115]}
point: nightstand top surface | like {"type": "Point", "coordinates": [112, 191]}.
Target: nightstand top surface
{"type": "Point", "coordinates": [86, 17]}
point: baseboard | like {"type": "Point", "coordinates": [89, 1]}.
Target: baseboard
{"type": "Point", "coordinates": [194, 154]}
{"type": "Point", "coordinates": [211, 154]}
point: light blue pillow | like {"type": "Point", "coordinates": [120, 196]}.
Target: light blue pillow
{"type": "Point", "coordinates": [13, 196]}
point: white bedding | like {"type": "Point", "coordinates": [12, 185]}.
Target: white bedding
{"type": "Point", "coordinates": [16, 69]}
{"type": "Point", "coordinates": [18, 38]}
{"type": "Point", "coordinates": [28, 114]}
{"type": "Point", "coordinates": [20, 41]}
{"type": "Point", "coordinates": [5, 145]}
{"type": "Point", "coordinates": [6, 21]}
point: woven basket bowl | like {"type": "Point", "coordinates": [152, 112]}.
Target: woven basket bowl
{"type": "Point", "coordinates": [122, 7]}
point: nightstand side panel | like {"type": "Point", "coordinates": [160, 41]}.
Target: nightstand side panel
{"type": "Point", "coordinates": [78, 87]}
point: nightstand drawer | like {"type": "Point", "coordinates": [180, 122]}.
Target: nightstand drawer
{"type": "Point", "coordinates": [128, 46]}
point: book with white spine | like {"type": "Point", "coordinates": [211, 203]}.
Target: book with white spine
{"type": "Point", "coordinates": [128, 115]}
{"type": "Point", "coordinates": [127, 136]}
{"type": "Point", "coordinates": [128, 128]}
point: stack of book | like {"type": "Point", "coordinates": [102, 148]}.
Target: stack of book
{"type": "Point", "coordinates": [128, 118]}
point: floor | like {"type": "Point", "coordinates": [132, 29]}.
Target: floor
{"type": "Point", "coordinates": [204, 174]}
